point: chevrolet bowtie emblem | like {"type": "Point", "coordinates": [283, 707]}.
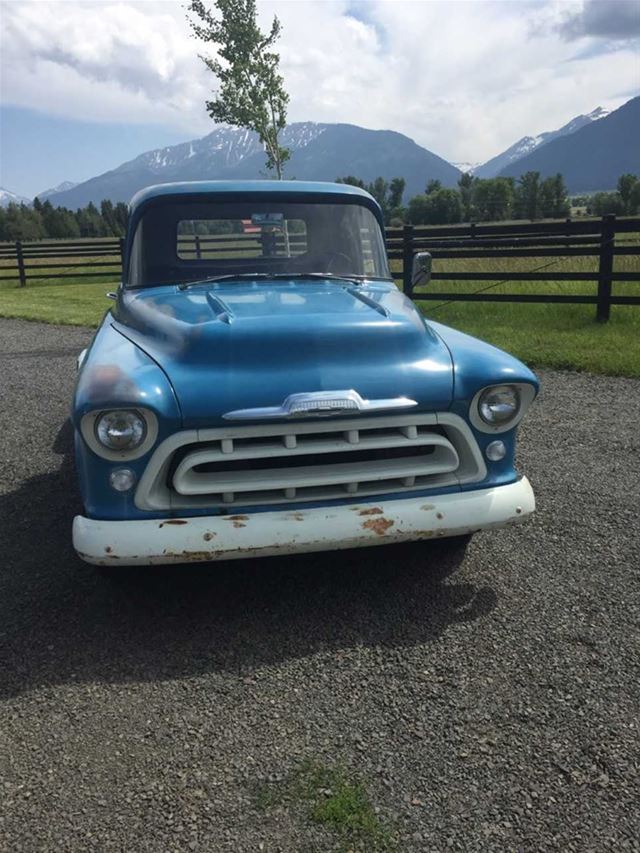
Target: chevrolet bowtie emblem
{"type": "Point", "coordinates": [319, 404]}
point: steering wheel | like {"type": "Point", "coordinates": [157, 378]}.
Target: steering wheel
{"type": "Point", "coordinates": [341, 259]}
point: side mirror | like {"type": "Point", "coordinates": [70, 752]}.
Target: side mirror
{"type": "Point", "coordinates": [421, 270]}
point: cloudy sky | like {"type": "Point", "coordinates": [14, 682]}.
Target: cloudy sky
{"type": "Point", "coordinates": [85, 85]}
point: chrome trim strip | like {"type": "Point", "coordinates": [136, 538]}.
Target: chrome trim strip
{"type": "Point", "coordinates": [81, 357]}
{"type": "Point", "coordinates": [321, 404]}
{"type": "Point", "coordinates": [364, 297]}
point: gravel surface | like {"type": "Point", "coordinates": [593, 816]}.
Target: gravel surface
{"type": "Point", "coordinates": [491, 708]}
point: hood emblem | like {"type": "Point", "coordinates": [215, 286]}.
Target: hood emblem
{"type": "Point", "coordinates": [321, 404]}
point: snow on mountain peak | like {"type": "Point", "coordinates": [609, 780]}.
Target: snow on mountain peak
{"type": "Point", "coordinates": [598, 113]}
{"type": "Point", "coordinates": [226, 144]}
{"type": "Point", "coordinates": [7, 198]}
{"type": "Point", "coordinates": [528, 144]}
{"type": "Point", "coordinates": [466, 168]}
{"type": "Point", "coordinates": [60, 188]}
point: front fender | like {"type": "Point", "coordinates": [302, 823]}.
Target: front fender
{"type": "Point", "coordinates": [477, 364]}
{"type": "Point", "coordinates": [115, 373]}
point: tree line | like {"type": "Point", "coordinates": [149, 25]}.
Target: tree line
{"type": "Point", "coordinates": [625, 201]}
{"type": "Point", "coordinates": [494, 199]}
{"type": "Point", "coordinates": [474, 200]}
{"type": "Point", "coordinates": [43, 220]}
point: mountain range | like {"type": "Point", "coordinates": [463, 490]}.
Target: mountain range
{"type": "Point", "coordinates": [594, 156]}
{"type": "Point", "coordinates": [492, 168]}
{"type": "Point", "coordinates": [60, 188]}
{"type": "Point", "coordinates": [318, 152]}
{"type": "Point", "coordinates": [591, 151]}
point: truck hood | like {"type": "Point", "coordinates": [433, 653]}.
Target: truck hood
{"type": "Point", "coordinates": [236, 345]}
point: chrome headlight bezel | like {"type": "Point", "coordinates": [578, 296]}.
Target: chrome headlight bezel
{"type": "Point", "coordinates": [90, 424]}
{"type": "Point", "coordinates": [523, 393]}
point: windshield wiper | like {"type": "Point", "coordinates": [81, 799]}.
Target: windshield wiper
{"type": "Point", "coordinates": [318, 276]}
{"type": "Point", "coordinates": [228, 277]}
{"type": "Point", "coordinates": [275, 276]}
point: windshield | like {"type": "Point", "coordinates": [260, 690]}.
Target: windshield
{"type": "Point", "coordinates": [178, 241]}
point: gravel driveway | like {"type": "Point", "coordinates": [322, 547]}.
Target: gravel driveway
{"type": "Point", "coordinates": [491, 708]}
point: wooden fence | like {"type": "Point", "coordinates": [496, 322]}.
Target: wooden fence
{"type": "Point", "coordinates": [35, 260]}
{"type": "Point", "coordinates": [593, 238]}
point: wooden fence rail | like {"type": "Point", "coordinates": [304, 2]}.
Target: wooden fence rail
{"type": "Point", "coordinates": [594, 238]}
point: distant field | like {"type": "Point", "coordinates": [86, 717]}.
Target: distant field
{"type": "Point", "coordinates": [561, 336]}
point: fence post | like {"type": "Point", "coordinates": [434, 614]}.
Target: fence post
{"type": "Point", "coordinates": [20, 259]}
{"type": "Point", "coordinates": [607, 239]}
{"type": "Point", "coordinates": [121, 245]}
{"type": "Point", "coordinates": [198, 250]}
{"type": "Point", "coordinates": [407, 259]}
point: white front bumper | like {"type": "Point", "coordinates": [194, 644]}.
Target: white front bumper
{"type": "Point", "coordinates": [230, 537]}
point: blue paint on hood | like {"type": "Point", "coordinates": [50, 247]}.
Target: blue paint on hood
{"type": "Point", "coordinates": [477, 363]}
{"type": "Point", "coordinates": [234, 345]}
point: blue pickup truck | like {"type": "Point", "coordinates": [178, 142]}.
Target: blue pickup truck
{"type": "Point", "coordinates": [261, 386]}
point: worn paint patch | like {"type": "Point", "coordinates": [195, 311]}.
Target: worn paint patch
{"type": "Point", "coordinates": [295, 516]}
{"type": "Point", "coordinates": [427, 507]}
{"type": "Point", "coordinates": [209, 556]}
{"type": "Point", "coordinates": [91, 559]}
{"type": "Point", "coordinates": [379, 526]}
{"type": "Point", "coordinates": [173, 521]}
{"type": "Point", "coordinates": [374, 510]}
{"type": "Point", "coordinates": [208, 536]}
{"type": "Point", "coordinates": [196, 556]}
{"type": "Point", "coordinates": [236, 520]}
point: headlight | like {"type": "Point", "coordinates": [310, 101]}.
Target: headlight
{"type": "Point", "coordinates": [120, 430]}
{"type": "Point", "coordinates": [500, 408]}
{"type": "Point", "coordinates": [499, 405]}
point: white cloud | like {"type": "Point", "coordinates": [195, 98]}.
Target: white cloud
{"type": "Point", "coordinates": [103, 62]}
{"type": "Point", "coordinates": [464, 79]}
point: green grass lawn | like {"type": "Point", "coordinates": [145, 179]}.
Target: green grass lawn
{"type": "Point", "coordinates": [62, 301]}
{"type": "Point", "coordinates": [72, 304]}
{"type": "Point", "coordinates": [560, 336]}
{"type": "Point", "coordinates": [546, 335]}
